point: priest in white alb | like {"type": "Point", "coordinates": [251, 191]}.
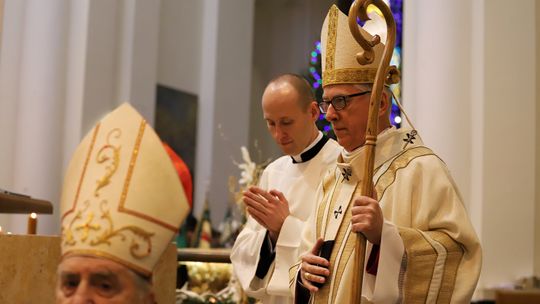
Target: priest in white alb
{"type": "Point", "coordinates": [285, 197]}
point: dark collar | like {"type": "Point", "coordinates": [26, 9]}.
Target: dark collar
{"type": "Point", "coordinates": [311, 153]}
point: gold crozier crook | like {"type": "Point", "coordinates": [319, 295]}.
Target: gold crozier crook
{"type": "Point", "coordinates": [384, 74]}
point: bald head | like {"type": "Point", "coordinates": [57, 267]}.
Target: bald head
{"type": "Point", "coordinates": [290, 112]}
{"type": "Point", "coordinates": [299, 84]}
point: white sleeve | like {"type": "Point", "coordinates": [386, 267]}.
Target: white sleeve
{"type": "Point", "coordinates": [287, 254]}
{"type": "Point", "coordinates": [382, 288]}
{"type": "Point", "coordinates": [245, 256]}
{"type": "Point", "coordinates": [245, 253]}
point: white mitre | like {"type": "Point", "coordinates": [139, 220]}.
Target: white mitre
{"type": "Point", "coordinates": [339, 49]}
{"type": "Point", "coordinates": [122, 198]}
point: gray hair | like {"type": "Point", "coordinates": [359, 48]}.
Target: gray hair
{"type": "Point", "coordinates": [143, 286]}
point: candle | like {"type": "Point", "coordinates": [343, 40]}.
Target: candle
{"type": "Point", "coordinates": [32, 224]}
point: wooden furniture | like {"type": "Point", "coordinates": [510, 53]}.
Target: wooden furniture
{"type": "Point", "coordinates": [19, 203]}
{"type": "Point", "coordinates": [517, 296]}
{"type": "Point", "coordinates": [221, 255]}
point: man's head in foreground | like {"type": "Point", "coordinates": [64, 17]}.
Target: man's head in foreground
{"type": "Point", "coordinates": [85, 279]}
{"type": "Point", "coordinates": [122, 202]}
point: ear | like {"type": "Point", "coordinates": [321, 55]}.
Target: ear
{"type": "Point", "coordinates": [314, 111]}
{"type": "Point", "coordinates": [386, 103]}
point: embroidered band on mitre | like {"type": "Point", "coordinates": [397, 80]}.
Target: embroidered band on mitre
{"type": "Point", "coordinates": [122, 199]}
{"type": "Point", "coordinates": [339, 49]}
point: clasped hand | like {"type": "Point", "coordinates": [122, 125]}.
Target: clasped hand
{"type": "Point", "coordinates": [268, 208]}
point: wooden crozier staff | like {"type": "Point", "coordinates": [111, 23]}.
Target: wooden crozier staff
{"type": "Point", "coordinates": [385, 73]}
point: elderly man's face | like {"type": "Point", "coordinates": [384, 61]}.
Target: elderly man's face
{"type": "Point", "coordinates": [350, 123]}
{"type": "Point", "coordinates": [95, 280]}
{"type": "Point", "coordinates": [291, 126]}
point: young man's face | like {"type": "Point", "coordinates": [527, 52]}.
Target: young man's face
{"type": "Point", "coordinates": [349, 123]}
{"type": "Point", "coordinates": [291, 127]}
{"type": "Point", "coordinates": [94, 280]}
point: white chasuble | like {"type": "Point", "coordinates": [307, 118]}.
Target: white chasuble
{"type": "Point", "coordinates": [429, 252]}
{"type": "Point", "coordinates": [298, 182]}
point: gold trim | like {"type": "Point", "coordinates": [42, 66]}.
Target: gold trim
{"type": "Point", "coordinates": [102, 254]}
{"type": "Point", "coordinates": [421, 258]}
{"type": "Point", "coordinates": [347, 250]}
{"type": "Point", "coordinates": [103, 235]}
{"type": "Point", "coordinates": [348, 254]}
{"type": "Point", "coordinates": [389, 176]}
{"type": "Point", "coordinates": [96, 129]}
{"type": "Point", "coordinates": [322, 296]}
{"type": "Point", "coordinates": [132, 162]}
{"type": "Point", "coordinates": [331, 38]}
{"type": "Point", "coordinates": [348, 76]}
{"type": "Point", "coordinates": [328, 181]}
{"type": "Point", "coordinates": [67, 233]}
{"type": "Point", "coordinates": [293, 270]}
{"type": "Point", "coordinates": [110, 233]}
{"type": "Point", "coordinates": [102, 157]}
{"type": "Point", "coordinates": [87, 226]}
{"type": "Point", "coordinates": [453, 259]}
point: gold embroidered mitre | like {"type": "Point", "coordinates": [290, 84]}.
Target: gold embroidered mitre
{"type": "Point", "coordinates": [122, 198]}
{"type": "Point", "coordinates": [339, 49]}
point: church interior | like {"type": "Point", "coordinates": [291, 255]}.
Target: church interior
{"type": "Point", "coordinates": [196, 71]}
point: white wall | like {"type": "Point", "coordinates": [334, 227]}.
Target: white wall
{"type": "Point", "coordinates": [537, 177]}
{"type": "Point", "coordinates": [205, 49]}
{"type": "Point", "coordinates": [435, 88]}
{"type": "Point", "coordinates": [509, 133]}
{"type": "Point", "coordinates": [1, 19]}
{"type": "Point", "coordinates": [63, 65]}
{"type": "Point", "coordinates": [33, 98]}
{"type": "Point", "coordinates": [180, 34]}
{"type": "Point", "coordinates": [225, 82]}
{"type": "Point", "coordinates": [9, 76]}
{"type": "Point", "coordinates": [472, 95]}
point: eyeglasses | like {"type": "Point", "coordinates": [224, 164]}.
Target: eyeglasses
{"type": "Point", "coordinates": [338, 102]}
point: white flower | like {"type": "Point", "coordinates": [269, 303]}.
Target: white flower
{"type": "Point", "coordinates": [247, 168]}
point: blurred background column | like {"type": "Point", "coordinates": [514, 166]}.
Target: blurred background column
{"type": "Point", "coordinates": [224, 100]}
{"type": "Point", "coordinates": [470, 87]}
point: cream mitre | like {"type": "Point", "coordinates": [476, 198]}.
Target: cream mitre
{"type": "Point", "coordinates": [122, 199]}
{"type": "Point", "coordinates": [339, 49]}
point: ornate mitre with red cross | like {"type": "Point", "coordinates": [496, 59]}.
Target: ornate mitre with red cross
{"type": "Point", "coordinates": [122, 198]}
